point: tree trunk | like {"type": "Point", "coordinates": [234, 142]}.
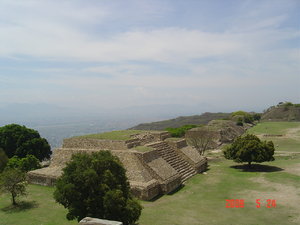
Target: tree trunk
{"type": "Point", "coordinates": [249, 165]}
{"type": "Point", "coordinates": [13, 199]}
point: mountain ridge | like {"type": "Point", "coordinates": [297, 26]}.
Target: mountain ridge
{"type": "Point", "coordinates": [204, 118]}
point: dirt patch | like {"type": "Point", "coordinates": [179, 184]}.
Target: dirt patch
{"type": "Point", "coordinates": [295, 169]}
{"type": "Point", "coordinates": [286, 196]}
{"type": "Point", "coordinates": [293, 133]}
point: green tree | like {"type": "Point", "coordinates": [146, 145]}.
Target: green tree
{"type": "Point", "coordinates": [180, 131]}
{"type": "Point", "coordinates": [21, 141]}
{"type": "Point", "coordinates": [3, 160]}
{"type": "Point", "coordinates": [30, 162]}
{"type": "Point", "coordinates": [96, 185]}
{"type": "Point", "coordinates": [257, 116]}
{"type": "Point", "coordinates": [250, 148]}
{"type": "Point", "coordinates": [14, 182]}
{"type": "Point", "coordinates": [246, 117]}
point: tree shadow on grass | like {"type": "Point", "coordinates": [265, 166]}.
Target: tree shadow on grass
{"type": "Point", "coordinates": [21, 206]}
{"type": "Point", "coordinates": [257, 168]}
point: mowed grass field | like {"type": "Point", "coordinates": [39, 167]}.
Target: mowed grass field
{"type": "Point", "coordinates": [202, 199]}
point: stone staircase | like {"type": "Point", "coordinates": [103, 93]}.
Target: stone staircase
{"type": "Point", "coordinates": [168, 154]}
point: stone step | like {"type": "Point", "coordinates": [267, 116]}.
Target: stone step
{"type": "Point", "coordinates": [168, 154]}
{"type": "Point", "coordinates": [170, 157]}
{"type": "Point", "coordinates": [188, 172]}
{"type": "Point", "coordinates": [186, 177]}
{"type": "Point", "coordinates": [181, 169]}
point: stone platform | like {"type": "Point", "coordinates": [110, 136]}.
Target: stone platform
{"type": "Point", "coordinates": [157, 171]}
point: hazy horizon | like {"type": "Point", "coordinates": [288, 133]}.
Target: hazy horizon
{"type": "Point", "coordinates": [103, 65]}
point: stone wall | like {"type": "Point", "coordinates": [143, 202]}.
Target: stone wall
{"type": "Point", "coordinates": [190, 154]}
{"type": "Point", "coordinates": [45, 176]}
{"type": "Point", "coordinates": [89, 143]}
{"type": "Point", "coordinates": [151, 136]}
{"type": "Point", "coordinates": [145, 191]}
{"type": "Point", "coordinates": [177, 144]}
{"type": "Point", "coordinates": [162, 171]}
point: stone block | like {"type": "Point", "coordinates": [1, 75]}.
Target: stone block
{"type": "Point", "coordinates": [95, 221]}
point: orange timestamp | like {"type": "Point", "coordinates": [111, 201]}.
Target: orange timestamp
{"type": "Point", "coordinates": [240, 203]}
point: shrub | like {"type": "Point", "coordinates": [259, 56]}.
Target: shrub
{"type": "Point", "coordinates": [288, 104]}
{"type": "Point", "coordinates": [247, 117]}
{"type": "Point", "coordinates": [30, 162]}
{"type": "Point", "coordinates": [180, 131]}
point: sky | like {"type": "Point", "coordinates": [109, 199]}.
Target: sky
{"type": "Point", "coordinates": [103, 54]}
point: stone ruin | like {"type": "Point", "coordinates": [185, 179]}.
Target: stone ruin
{"type": "Point", "coordinates": [96, 221]}
{"type": "Point", "coordinates": [160, 170]}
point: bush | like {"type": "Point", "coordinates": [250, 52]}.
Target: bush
{"type": "Point", "coordinates": [30, 162]}
{"type": "Point", "coordinates": [180, 131]}
{"type": "Point", "coordinates": [246, 117]}
{"type": "Point", "coordinates": [257, 116]}
{"type": "Point", "coordinates": [288, 104]}
{"type": "Point", "coordinates": [96, 185]}
{"type": "Point", "coordinates": [240, 122]}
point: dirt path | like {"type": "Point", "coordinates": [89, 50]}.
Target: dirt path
{"type": "Point", "coordinates": [287, 196]}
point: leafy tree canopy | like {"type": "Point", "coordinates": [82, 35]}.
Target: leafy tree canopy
{"type": "Point", "coordinates": [21, 141]}
{"type": "Point", "coordinates": [3, 160]}
{"type": "Point", "coordinates": [14, 182]}
{"type": "Point", "coordinates": [250, 149]}
{"type": "Point", "coordinates": [30, 162]}
{"type": "Point", "coordinates": [180, 131]}
{"type": "Point", "coordinates": [96, 185]}
{"type": "Point", "coordinates": [245, 117]}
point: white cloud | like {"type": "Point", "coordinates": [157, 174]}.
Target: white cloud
{"type": "Point", "coordinates": [123, 66]}
{"type": "Point", "coordinates": [56, 30]}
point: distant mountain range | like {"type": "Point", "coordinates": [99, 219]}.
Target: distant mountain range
{"type": "Point", "coordinates": [180, 121]}
{"type": "Point", "coordinates": [284, 111]}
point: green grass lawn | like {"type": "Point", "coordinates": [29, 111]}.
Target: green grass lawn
{"type": "Point", "coordinates": [37, 208]}
{"type": "Point", "coordinates": [113, 135]}
{"type": "Point", "coordinates": [143, 148]}
{"type": "Point", "coordinates": [290, 131]}
{"type": "Point", "coordinates": [274, 127]}
{"type": "Point", "coordinates": [202, 199]}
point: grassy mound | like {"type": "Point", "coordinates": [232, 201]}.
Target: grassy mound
{"type": "Point", "coordinates": [181, 121]}
{"type": "Point", "coordinates": [282, 112]}
{"type": "Point", "coordinates": [114, 135]}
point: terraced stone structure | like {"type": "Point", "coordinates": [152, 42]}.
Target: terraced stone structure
{"type": "Point", "coordinates": [155, 163]}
